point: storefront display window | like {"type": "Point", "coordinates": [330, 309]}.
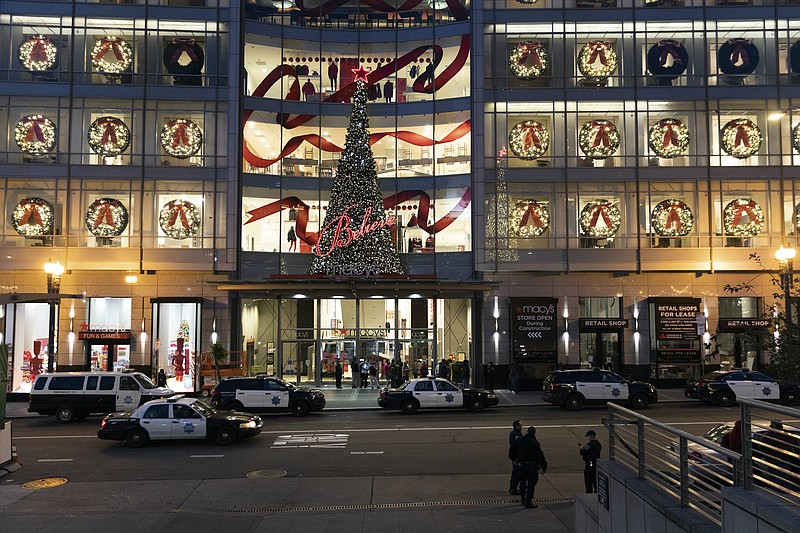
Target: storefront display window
{"type": "Point", "coordinates": [108, 337]}
{"type": "Point", "coordinates": [737, 340]}
{"type": "Point", "coordinates": [27, 329]}
{"type": "Point", "coordinates": [176, 342]}
{"type": "Point", "coordinates": [600, 336]}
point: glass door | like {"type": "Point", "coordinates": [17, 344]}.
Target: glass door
{"type": "Point", "coordinates": [299, 362]}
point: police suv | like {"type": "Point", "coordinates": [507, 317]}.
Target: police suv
{"type": "Point", "coordinates": [574, 388]}
{"type": "Point", "coordinates": [262, 394]}
{"type": "Point", "coordinates": [723, 387]}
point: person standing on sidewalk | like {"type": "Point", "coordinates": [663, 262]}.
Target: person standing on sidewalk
{"type": "Point", "coordinates": [591, 453]}
{"type": "Point", "coordinates": [465, 374]}
{"type": "Point", "coordinates": [513, 378]}
{"type": "Point", "coordinates": [515, 434]}
{"type": "Point", "coordinates": [337, 373]}
{"type": "Point", "coordinates": [490, 370]}
{"type": "Point", "coordinates": [528, 453]}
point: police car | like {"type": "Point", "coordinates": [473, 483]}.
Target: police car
{"type": "Point", "coordinates": [574, 388]}
{"type": "Point", "coordinates": [435, 392]}
{"type": "Point", "coordinates": [724, 387]}
{"type": "Point", "coordinates": [263, 394]}
{"type": "Point", "coordinates": [176, 418]}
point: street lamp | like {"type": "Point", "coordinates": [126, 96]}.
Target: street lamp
{"type": "Point", "coordinates": [785, 257]}
{"type": "Point", "coordinates": [53, 271]}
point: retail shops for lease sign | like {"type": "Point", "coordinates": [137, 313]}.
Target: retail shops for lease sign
{"type": "Point", "coordinates": [533, 329]}
{"type": "Point", "coordinates": [674, 329]}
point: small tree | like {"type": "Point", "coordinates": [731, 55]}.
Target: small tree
{"type": "Point", "coordinates": [219, 354]}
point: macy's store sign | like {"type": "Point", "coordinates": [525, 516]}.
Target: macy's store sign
{"type": "Point", "coordinates": [344, 233]}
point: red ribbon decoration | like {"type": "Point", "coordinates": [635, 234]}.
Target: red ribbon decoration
{"type": "Point", "coordinates": [742, 136]}
{"type": "Point", "coordinates": [748, 208]}
{"type": "Point", "coordinates": [670, 135]}
{"type": "Point", "coordinates": [531, 137]}
{"type": "Point", "coordinates": [530, 49]}
{"type": "Point", "coordinates": [35, 130]}
{"type": "Point", "coordinates": [184, 45]}
{"type": "Point", "coordinates": [597, 211]}
{"type": "Point", "coordinates": [669, 48]}
{"type": "Point", "coordinates": [109, 133]}
{"type": "Point", "coordinates": [598, 52]}
{"type": "Point", "coordinates": [180, 133]}
{"type": "Point", "coordinates": [32, 212]}
{"type": "Point", "coordinates": [311, 238]}
{"type": "Point", "coordinates": [178, 210]}
{"type": "Point", "coordinates": [739, 51]}
{"type": "Point", "coordinates": [105, 215]}
{"type": "Point", "coordinates": [602, 134]}
{"type": "Point", "coordinates": [109, 44]}
{"type": "Point", "coordinates": [674, 218]}
{"type": "Point", "coordinates": [38, 52]}
{"type": "Point", "coordinates": [531, 213]}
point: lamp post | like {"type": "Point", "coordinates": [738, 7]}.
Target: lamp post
{"type": "Point", "coordinates": [53, 271]}
{"type": "Point", "coordinates": [785, 257]}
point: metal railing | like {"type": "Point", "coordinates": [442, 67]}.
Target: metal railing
{"type": "Point", "coordinates": [694, 469]}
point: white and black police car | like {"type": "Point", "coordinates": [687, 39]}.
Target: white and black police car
{"type": "Point", "coordinates": [431, 392]}
{"type": "Point", "coordinates": [263, 394]}
{"type": "Point", "coordinates": [573, 389]}
{"type": "Point", "coordinates": [724, 387]}
{"type": "Point", "coordinates": [177, 418]}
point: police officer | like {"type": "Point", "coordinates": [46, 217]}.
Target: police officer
{"type": "Point", "coordinates": [591, 453]}
{"type": "Point", "coordinates": [528, 453]}
{"type": "Point", "coordinates": [515, 434]}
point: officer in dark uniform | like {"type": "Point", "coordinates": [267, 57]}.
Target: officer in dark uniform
{"type": "Point", "coordinates": [528, 453]}
{"type": "Point", "coordinates": [591, 453]}
{"type": "Point", "coordinates": [515, 434]}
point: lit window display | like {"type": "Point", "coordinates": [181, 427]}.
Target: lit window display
{"type": "Point", "coordinates": [176, 340]}
{"type": "Point", "coordinates": [27, 330]}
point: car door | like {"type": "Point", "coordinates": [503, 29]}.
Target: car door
{"type": "Point", "coordinates": [128, 394]}
{"type": "Point", "coordinates": [425, 393]}
{"type": "Point", "coordinates": [590, 385]}
{"type": "Point", "coordinates": [157, 421]}
{"type": "Point", "coordinates": [276, 396]}
{"type": "Point", "coordinates": [740, 384]}
{"type": "Point", "coordinates": [615, 388]}
{"type": "Point", "coordinates": [448, 395]}
{"type": "Point", "coordinates": [764, 387]}
{"type": "Point", "coordinates": [250, 392]}
{"type": "Point", "coordinates": [187, 423]}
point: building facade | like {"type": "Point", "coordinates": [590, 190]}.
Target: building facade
{"type": "Point", "coordinates": [574, 183]}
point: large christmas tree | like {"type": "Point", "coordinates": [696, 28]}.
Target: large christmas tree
{"type": "Point", "coordinates": [500, 246]}
{"type": "Point", "coordinates": [356, 235]}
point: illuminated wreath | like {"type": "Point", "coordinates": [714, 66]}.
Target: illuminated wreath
{"type": "Point", "coordinates": [38, 54]}
{"type": "Point", "coordinates": [596, 212]}
{"type": "Point", "coordinates": [106, 217]}
{"type": "Point", "coordinates": [597, 59]}
{"type": "Point", "coordinates": [667, 58]}
{"type": "Point", "coordinates": [174, 51]}
{"type": "Point", "coordinates": [672, 218]}
{"type": "Point", "coordinates": [109, 136]}
{"type": "Point", "coordinates": [796, 137]}
{"type": "Point", "coordinates": [118, 48]}
{"type": "Point", "coordinates": [33, 217]}
{"type": "Point", "coordinates": [737, 56]}
{"type": "Point", "coordinates": [530, 219]}
{"type": "Point", "coordinates": [35, 134]}
{"type": "Point", "coordinates": [528, 59]}
{"type": "Point", "coordinates": [668, 138]}
{"type": "Point", "coordinates": [741, 138]}
{"type": "Point", "coordinates": [599, 139]}
{"type": "Point", "coordinates": [181, 138]}
{"type": "Point", "coordinates": [529, 139]}
{"type": "Point", "coordinates": [733, 218]}
{"type": "Point", "coordinates": [179, 219]}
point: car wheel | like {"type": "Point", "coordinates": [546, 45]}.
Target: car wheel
{"type": "Point", "coordinates": [476, 405]}
{"type": "Point", "coordinates": [205, 393]}
{"type": "Point", "coordinates": [65, 414]}
{"type": "Point", "coordinates": [639, 401]}
{"type": "Point", "coordinates": [574, 402]}
{"type": "Point", "coordinates": [726, 398]}
{"type": "Point", "coordinates": [790, 397]}
{"type": "Point", "coordinates": [409, 407]}
{"type": "Point", "coordinates": [225, 436]}
{"type": "Point", "coordinates": [300, 409]}
{"type": "Point", "coordinates": [137, 438]}
{"type": "Point", "coordinates": [235, 405]}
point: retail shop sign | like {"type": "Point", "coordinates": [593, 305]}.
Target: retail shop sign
{"type": "Point", "coordinates": [603, 324]}
{"type": "Point", "coordinates": [344, 233]}
{"type": "Point", "coordinates": [93, 335]}
{"type": "Point", "coordinates": [533, 329]}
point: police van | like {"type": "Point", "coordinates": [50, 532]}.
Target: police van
{"type": "Point", "coordinates": [76, 395]}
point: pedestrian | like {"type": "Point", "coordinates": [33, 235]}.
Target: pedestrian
{"type": "Point", "coordinates": [364, 373]}
{"type": "Point", "coordinates": [465, 373]}
{"type": "Point", "coordinates": [161, 380]}
{"type": "Point", "coordinates": [513, 378]}
{"type": "Point", "coordinates": [590, 453]}
{"type": "Point", "coordinates": [373, 376]}
{"type": "Point", "coordinates": [423, 369]}
{"type": "Point", "coordinates": [337, 373]}
{"type": "Point", "coordinates": [415, 368]}
{"type": "Point", "coordinates": [528, 453]}
{"type": "Point", "coordinates": [385, 372]}
{"type": "Point", "coordinates": [406, 371]}
{"type": "Point", "coordinates": [355, 372]}
{"type": "Point", "coordinates": [516, 433]}
{"type": "Point", "coordinates": [733, 439]}
{"type": "Point", "coordinates": [490, 370]}
{"type": "Point", "coordinates": [291, 237]}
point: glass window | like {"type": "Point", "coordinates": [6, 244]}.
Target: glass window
{"type": "Point", "coordinates": [183, 411]}
{"type": "Point", "coordinates": [157, 411]}
{"type": "Point", "coordinates": [111, 314]}
{"type": "Point", "coordinates": [445, 386]}
{"type": "Point", "coordinates": [107, 382]}
{"type": "Point", "coordinates": [128, 383]}
{"type": "Point", "coordinates": [66, 383]}
{"type": "Point", "coordinates": [40, 383]}
{"type": "Point", "coordinates": [91, 382]}
{"type": "Point", "coordinates": [424, 386]}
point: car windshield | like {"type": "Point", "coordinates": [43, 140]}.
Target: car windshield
{"type": "Point", "coordinates": [144, 381]}
{"type": "Point", "coordinates": [285, 383]}
{"type": "Point", "coordinates": [203, 408]}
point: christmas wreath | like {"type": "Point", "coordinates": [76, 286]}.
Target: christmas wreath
{"type": "Point", "coordinates": [176, 50]}
{"type": "Point", "coordinates": [600, 219]}
{"type": "Point", "coordinates": [597, 59]}
{"type": "Point", "coordinates": [528, 60]}
{"type": "Point", "coordinates": [120, 51]}
{"type": "Point", "coordinates": [106, 217]}
{"type": "Point", "coordinates": [38, 54]}
{"type": "Point", "coordinates": [796, 137]}
{"type": "Point", "coordinates": [181, 138]}
{"type": "Point", "coordinates": [33, 217]}
{"type": "Point", "coordinates": [35, 134]}
{"type": "Point", "coordinates": [737, 56]}
{"type": "Point", "coordinates": [667, 58]}
{"type": "Point", "coordinates": [794, 58]}
{"type": "Point", "coordinates": [179, 219]}
{"type": "Point", "coordinates": [672, 218]}
{"type": "Point", "coordinates": [733, 218]}
{"type": "Point", "coordinates": [741, 138]}
{"type": "Point", "coordinates": [530, 219]}
{"type": "Point", "coordinates": [668, 138]}
{"type": "Point", "coordinates": [599, 139]}
{"type": "Point", "coordinates": [109, 136]}
{"type": "Point", "coordinates": [529, 139]}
